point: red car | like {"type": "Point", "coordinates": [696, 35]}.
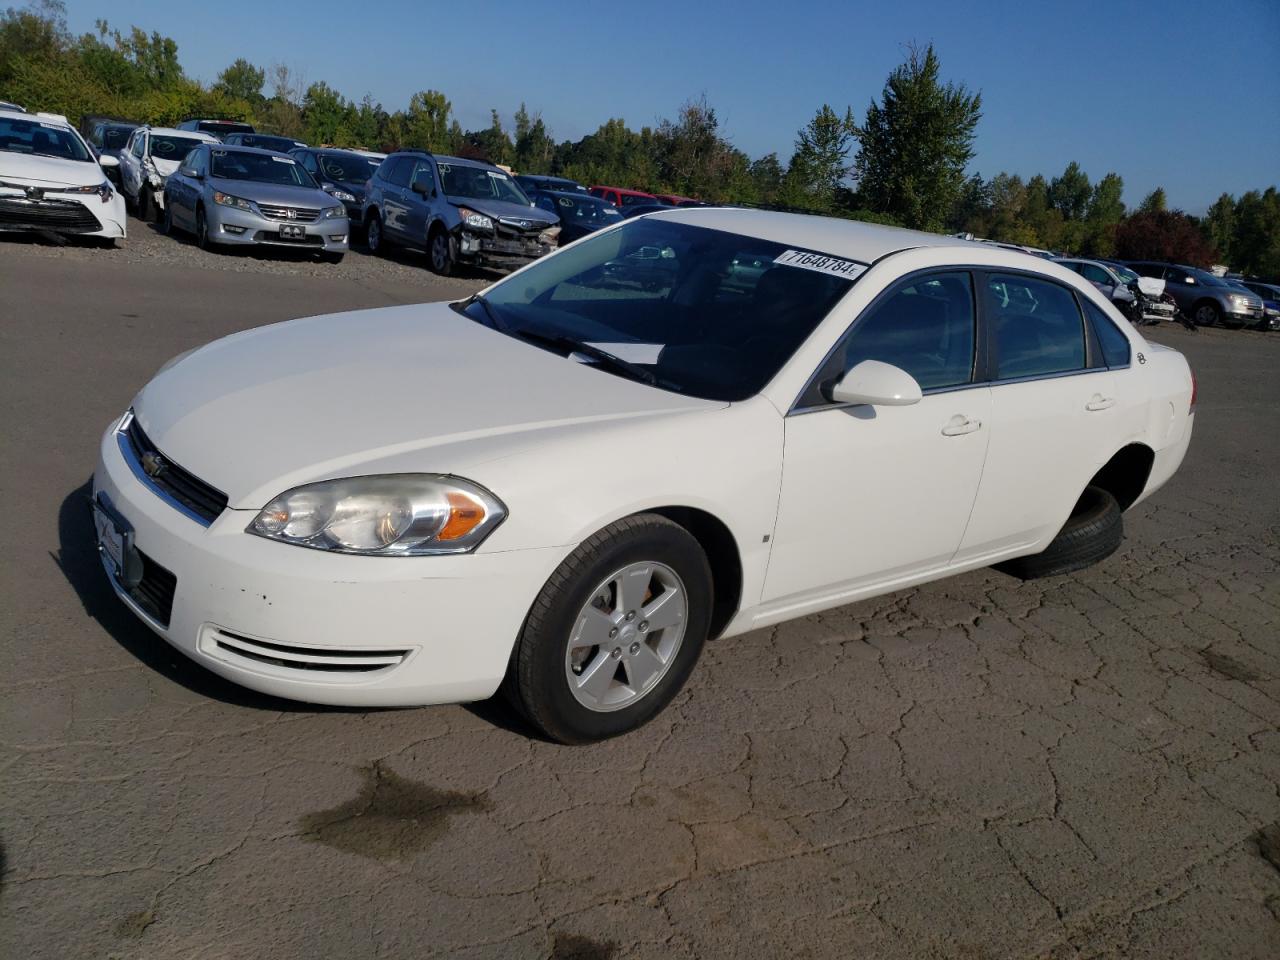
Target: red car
{"type": "Point", "coordinates": [621, 197]}
{"type": "Point", "coordinates": [676, 200]}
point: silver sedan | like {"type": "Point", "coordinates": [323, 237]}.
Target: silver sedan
{"type": "Point", "coordinates": [241, 195]}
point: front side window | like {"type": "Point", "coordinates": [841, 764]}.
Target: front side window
{"type": "Point", "coordinates": [259, 168]}
{"type": "Point", "coordinates": [925, 326]}
{"type": "Point", "coordinates": [1095, 274]}
{"type": "Point", "coordinates": [139, 144]}
{"type": "Point", "coordinates": [1114, 344]}
{"type": "Point", "coordinates": [398, 173]}
{"type": "Point", "coordinates": [1037, 327]}
{"type": "Point", "coordinates": [702, 312]}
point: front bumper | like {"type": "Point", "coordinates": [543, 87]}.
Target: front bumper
{"type": "Point", "coordinates": [231, 225]}
{"type": "Point", "coordinates": [492, 251]}
{"type": "Point", "coordinates": [313, 626]}
{"type": "Point", "coordinates": [65, 213]}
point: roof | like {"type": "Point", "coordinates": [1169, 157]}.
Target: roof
{"type": "Point", "coordinates": [186, 134]}
{"type": "Point", "coordinates": [852, 239]}
{"type": "Point", "coordinates": [35, 117]}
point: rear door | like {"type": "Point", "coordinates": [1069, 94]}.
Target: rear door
{"type": "Point", "coordinates": [395, 204]}
{"type": "Point", "coordinates": [1054, 413]}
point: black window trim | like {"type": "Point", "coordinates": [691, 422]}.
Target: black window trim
{"type": "Point", "coordinates": [983, 365]}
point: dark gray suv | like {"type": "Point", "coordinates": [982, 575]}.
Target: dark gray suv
{"type": "Point", "coordinates": [457, 211]}
{"type": "Point", "coordinates": [1201, 296]}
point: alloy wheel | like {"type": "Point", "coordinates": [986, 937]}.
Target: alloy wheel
{"type": "Point", "coordinates": [373, 236]}
{"type": "Point", "coordinates": [626, 636]}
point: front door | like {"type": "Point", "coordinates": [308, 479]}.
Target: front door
{"type": "Point", "coordinates": [871, 495]}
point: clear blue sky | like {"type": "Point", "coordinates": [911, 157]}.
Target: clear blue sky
{"type": "Point", "coordinates": [1178, 93]}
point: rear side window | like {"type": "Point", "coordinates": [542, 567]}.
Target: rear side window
{"type": "Point", "coordinates": [1037, 327]}
{"type": "Point", "coordinates": [925, 327]}
{"type": "Point", "coordinates": [399, 171]}
{"type": "Point", "coordinates": [1115, 345]}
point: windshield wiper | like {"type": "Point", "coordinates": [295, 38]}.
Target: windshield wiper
{"type": "Point", "coordinates": [602, 357]}
{"type": "Point", "coordinates": [487, 307]}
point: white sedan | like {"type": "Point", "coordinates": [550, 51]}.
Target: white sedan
{"type": "Point", "coordinates": [690, 425]}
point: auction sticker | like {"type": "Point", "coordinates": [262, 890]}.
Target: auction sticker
{"type": "Point", "coordinates": [821, 263]}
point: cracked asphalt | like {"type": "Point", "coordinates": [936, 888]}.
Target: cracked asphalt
{"type": "Point", "coordinates": [1084, 766]}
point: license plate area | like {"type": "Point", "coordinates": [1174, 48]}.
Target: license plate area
{"type": "Point", "coordinates": [114, 538]}
{"type": "Point", "coordinates": [292, 231]}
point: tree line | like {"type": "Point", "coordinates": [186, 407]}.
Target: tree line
{"type": "Point", "coordinates": [904, 162]}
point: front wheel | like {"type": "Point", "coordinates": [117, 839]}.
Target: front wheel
{"type": "Point", "coordinates": [440, 253]}
{"type": "Point", "coordinates": [1206, 315]}
{"type": "Point", "coordinates": [202, 229]}
{"type": "Point", "coordinates": [615, 632]}
{"type": "Point", "coordinates": [373, 234]}
{"type": "Point", "coordinates": [146, 205]}
{"type": "Point", "coordinates": [166, 218]}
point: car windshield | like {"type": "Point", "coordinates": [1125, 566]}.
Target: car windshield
{"type": "Point", "coordinates": [1124, 273]}
{"type": "Point", "coordinates": [583, 209]}
{"type": "Point", "coordinates": [114, 138]}
{"type": "Point", "coordinates": [1208, 279]}
{"type": "Point", "coordinates": [345, 169]}
{"type": "Point", "coordinates": [167, 147]}
{"type": "Point", "coordinates": [259, 168]}
{"type": "Point", "coordinates": [223, 127]}
{"type": "Point", "coordinates": [480, 183]}
{"type": "Point", "coordinates": [41, 139]}
{"type": "Point", "coordinates": [697, 311]}
{"type": "Point", "coordinates": [266, 142]}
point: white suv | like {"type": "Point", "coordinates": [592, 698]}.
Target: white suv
{"type": "Point", "coordinates": [149, 158]}
{"type": "Point", "coordinates": [50, 179]}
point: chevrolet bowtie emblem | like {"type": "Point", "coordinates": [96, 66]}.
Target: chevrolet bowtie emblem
{"type": "Point", "coordinates": [152, 463]}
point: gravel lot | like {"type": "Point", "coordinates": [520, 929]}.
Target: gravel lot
{"type": "Point", "coordinates": [1080, 767]}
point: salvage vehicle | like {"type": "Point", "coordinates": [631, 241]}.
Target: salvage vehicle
{"type": "Point", "coordinates": [530, 182]}
{"type": "Point", "coordinates": [51, 181]}
{"type": "Point", "coordinates": [150, 156]}
{"type": "Point", "coordinates": [1205, 299]}
{"type": "Point", "coordinates": [215, 127]}
{"type": "Point", "coordinates": [245, 196]}
{"type": "Point", "coordinates": [341, 173]}
{"type": "Point", "coordinates": [1140, 299]}
{"type": "Point", "coordinates": [579, 213]}
{"type": "Point", "coordinates": [108, 137]}
{"type": "Point", "coordinates": [456, 210]}
{"type": "Point", "coordinates": [563, 487]}
{"type": "Point", "coordinates": [1270, 294]}
{"type": "Point", "coordinates": [621, 197]}
{"type": "Point", "coordinates": [263, 141]}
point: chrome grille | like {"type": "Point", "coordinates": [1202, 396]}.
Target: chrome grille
{"type": "Point", "coordinates": [289, 214]}
{"type": "Point", "coordinates": [197, 499]}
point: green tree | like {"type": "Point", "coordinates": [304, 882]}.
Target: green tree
{"type": "Point", "coordinates": [1105, 211]}
{"type": "Point", "coordinates": [534, 148]}
{"type": "Point", "coordinates": [915, 144]}
{"type": "Point", "coordinates": [1070, 192]}
{"type": "Point", "coordinates": [326, 114]}
{"type": "Point", "coordinates": [1219, 225]}
{"type": "Point", "coordinates": [241, 81]}
{"type": "Point", "coordinates": [820, 163]}
{"type": "Point", "coordinates": [1154, 202]}
{"type": "Point", "coordinates": [427, 121]}
{"type": "Point", "coordinates": [1256, 239]}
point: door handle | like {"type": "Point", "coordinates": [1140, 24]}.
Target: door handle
{"type": "Point", "coordinates": [959, 425]}
{"type": "Point", "coordinates": [1099, 402]}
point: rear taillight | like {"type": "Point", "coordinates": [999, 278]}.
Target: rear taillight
{"type": "Point", "coordinates": [1192, 407]}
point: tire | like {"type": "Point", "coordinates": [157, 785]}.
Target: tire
{"type": "Point", "coordinates": [540, 681]}
{"type": "Point", "coordinates": [202, 230]}
{"type": "Point", "coordinates": [373, 237]}
{"type": "Point", "coordinates": [146, 206]}
{"type": "Point", "coordinates": [1090, 535]}
{"type": "Point", "coordinates": [440, 253]}
{"type": "Point", "coordinates": [1206, 314]}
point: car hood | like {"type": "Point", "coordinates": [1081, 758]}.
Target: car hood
{"type": "Point", "coordinates": [394, 390]}
{"type": "Point", "coordinates": [48, 171]}
{"type": "Point", "coordinates": [1151, 286]}
{"type": "Point", "coordinates": [507, 211]}
{"type": "Point", "coordinates": [274, 193]}
{"type": "Point", "coordinates": [165, 168]}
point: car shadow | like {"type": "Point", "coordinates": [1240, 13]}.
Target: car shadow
{"type": "Point", "coordinates": [77, 558]}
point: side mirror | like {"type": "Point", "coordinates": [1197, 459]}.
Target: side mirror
{"type": "Point", "coordinates": [108, 162]}
{"type": "Point", "coordinates": [878, 384]}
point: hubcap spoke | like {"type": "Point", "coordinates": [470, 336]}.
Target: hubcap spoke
{"type": "Point", "coordinates": [665, 610]}
{"type": "Point", "coordinates": [633, 587]}
{"type": "Point", "coordinates": [642, 667]}
{"type": "Point", "coordinates": [597, 676]}
{"type": "Point", "coordinates": [592, 629]}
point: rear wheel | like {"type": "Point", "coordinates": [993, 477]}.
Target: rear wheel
{"type": "Point", "coordinates": [615, 632]}
{"type": "Point", "coordinates": [146, 205]}
{"type": "Point", "coordinates": [1091, 534]}
{"type": "Point", "coordinates": [440, 252]}
{"type": "Point", "coordinates": [1206, 314]}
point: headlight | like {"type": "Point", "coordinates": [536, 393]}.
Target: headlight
{"type": "Point", "coordinates": [549, 235]}
{"type": "Point", "coordinates": [155, 179]}
{"type": "Point", "coordinates": [103, 190]}
{"type": "Point", "coordinates": [340, 195]}
{"type": "Point", "coordinates": [397, 515]}
{"type": "Point", "coordinates": [331, 212]}
{"type": "Point", "coordinates": [476, 221]}
{"type": "Point", "coordinates": [226, 200]}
